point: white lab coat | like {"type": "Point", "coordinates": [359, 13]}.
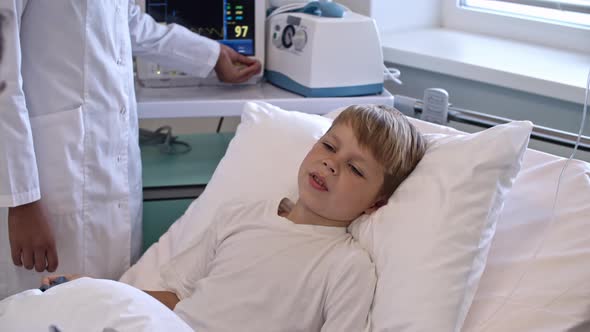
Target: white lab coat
{"type": "Point", "coordinates": [68, 125]}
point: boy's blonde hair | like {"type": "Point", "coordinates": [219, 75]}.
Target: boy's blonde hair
{"type": "Point", "coordinates": [392, 140]}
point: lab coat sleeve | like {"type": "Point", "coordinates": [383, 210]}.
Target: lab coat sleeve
{"type": "Point", "coordinates": [172, 45]}
{"type": "Point", "coordinates": [350, 295]}
{"type": "Point", "coordinates": [19, 179]}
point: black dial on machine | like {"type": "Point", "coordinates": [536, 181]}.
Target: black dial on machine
{"type": "Point", "coordinates": [287, 37]}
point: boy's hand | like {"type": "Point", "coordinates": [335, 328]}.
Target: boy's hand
{"type": "Point", "coordinates": [49, 280]}
{"type": "Point", "coordinates": [31, 240]}
{"type": "Point", "coordinates": [233, 67]}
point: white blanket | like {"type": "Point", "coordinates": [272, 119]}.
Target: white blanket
{"type": "Point", "coordinates": [87, 305]}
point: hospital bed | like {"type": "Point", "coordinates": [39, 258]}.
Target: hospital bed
{"type": "Point", "coordinates": [537, 275]}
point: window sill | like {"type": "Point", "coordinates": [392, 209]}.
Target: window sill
{"type": "Point", "coordinates": [530, 68]}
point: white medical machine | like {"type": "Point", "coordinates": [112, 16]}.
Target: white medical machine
{"type": "Point", "coordinates": [315, 53]}
{"type": "Point", "coordinates": [236, 23]}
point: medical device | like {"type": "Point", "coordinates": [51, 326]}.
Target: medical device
{"type": "Point", "coordinates": [238, 24]}
{"type": "Point", "coordinates": [57, 281]}
{"type": "Point", "coordinates": [322, 50]}
{"type": "Point", "coordinates": [280, 3]}
{"type": "Point", "coordinates": [436, 106]}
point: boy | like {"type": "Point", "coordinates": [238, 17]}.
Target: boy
{"type": "Point", "coordinates": [283, 266]}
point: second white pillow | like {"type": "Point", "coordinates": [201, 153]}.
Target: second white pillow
{"type": "Point", "coordinates": [431, 241]}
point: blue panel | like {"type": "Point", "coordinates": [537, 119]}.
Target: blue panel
{"type": "Point", "coordinates": [285, 82]}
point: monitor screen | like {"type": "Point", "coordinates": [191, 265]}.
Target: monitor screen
{"type": "Point", "coordinates": [231, 22]}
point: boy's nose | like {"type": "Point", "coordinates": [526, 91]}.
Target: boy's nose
{"type": "Point", "coordinates": [330, 166]}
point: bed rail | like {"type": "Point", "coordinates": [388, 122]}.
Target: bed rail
{"type": "Point", "coordinates": [413, 107]}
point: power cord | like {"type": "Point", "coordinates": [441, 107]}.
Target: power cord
{"type": "Point", "coordinates": [163, 138]}
{"type": "Point", "coordinates": [219, 124]}
{"type": "Point", "coordinates": [392, 74]}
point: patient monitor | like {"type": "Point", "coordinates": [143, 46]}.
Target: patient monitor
{"type": "Point", "coordinates": [238, 24]}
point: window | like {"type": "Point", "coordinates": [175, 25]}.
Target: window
{"type": "Point", "coordinates": [561, 24]}
{"type": "Point", "coordinates": [571, 12]}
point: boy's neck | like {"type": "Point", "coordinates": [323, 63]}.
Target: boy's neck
{"type": "Point", "coordinates": [299, 214]}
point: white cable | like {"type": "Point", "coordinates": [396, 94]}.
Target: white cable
{"type": "Point", "coordinates": [393, 74]}
{"type": "Point", "coordinates": [551, 221]}
{"type": "Point", "coordinates": [293, 7]}
{"type": "Point", "coordinates": [285, 8]}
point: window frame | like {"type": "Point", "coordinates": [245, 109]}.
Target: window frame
{"type": "Point", "coordinates": [516, 28]}
{"type": "Point", "coordinates": [568, 5]}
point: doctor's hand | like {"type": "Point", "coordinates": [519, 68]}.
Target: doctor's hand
{"type": "Point", "coordinates": [31, 239]}
{"type": "Point", "coordinates": [233, 67]}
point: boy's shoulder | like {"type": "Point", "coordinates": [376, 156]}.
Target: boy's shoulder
{"type": "Point", "coordinates": [355, 254]}
{"type": "Point", "coordinates": [352, 270]}
{"type": "Point", "coordinates": [352, 259]}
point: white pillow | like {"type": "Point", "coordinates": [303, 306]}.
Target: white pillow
{"type": "Point", "coordinates": [88, 305]}
{"type": "Point", "coordinates": [429, 243]}
{"type": "Point", "coordinates": [261, 161]}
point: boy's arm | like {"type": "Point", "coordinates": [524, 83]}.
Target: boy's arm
{"type": "Point", "coordinates": [184, 270]}
{"type": "Point", "coordinates": [169, 299]}
{"type": "Point", "coordinates": [350, 296]}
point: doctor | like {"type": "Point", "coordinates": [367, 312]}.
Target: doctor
{"type": "Point", "coordinates": [70, 168]}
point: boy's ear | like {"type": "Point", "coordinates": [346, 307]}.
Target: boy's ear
{"type": "Point", "coordinates": [379, 203]}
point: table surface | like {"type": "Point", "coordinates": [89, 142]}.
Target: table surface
{"type": "Point", "coordinates": [228, 100]}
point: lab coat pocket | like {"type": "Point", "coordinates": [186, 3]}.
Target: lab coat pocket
{"type": "Point", "coordinates": [59, 146]}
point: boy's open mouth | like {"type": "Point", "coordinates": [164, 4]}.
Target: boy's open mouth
{"type": "Point", "coordinates": [318, 182]}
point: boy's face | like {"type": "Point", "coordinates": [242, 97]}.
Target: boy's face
{"type": "Point", "coordinates": [338, 180]}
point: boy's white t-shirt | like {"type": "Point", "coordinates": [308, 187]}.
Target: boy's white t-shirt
{"type": "Point", "coordinates": [253, 270]}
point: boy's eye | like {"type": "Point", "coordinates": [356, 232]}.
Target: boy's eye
{"type": "Point", "coordinates": [355, 170]}
{"type": "Point", "coordinates": [328, 146]}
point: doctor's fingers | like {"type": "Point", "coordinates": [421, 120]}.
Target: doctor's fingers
{"type": "Point", "coordinates": [52, 260]}
{"type": "Point", "coordinates": [28, 258]}
{"type": "Point", "coordinates": [16, 252]}
{"type": "Point", "coordinates": [246, 73]}
{"type": "Point", "coordinates": [45, 259]}
{"type": "Point", "coordinates": [41, 259]}
{"type": "Point", "coordinates": [238, 57]}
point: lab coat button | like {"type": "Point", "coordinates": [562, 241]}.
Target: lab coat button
{"type": "Point", "coordinates": [123, 110]}
{"type": "Point", "coordinates": [119, 61]}
{"type": "Point", "coordinates": [118, 159]}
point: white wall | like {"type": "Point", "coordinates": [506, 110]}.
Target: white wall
{"type": "Point", "coordinates": [399, 15]}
